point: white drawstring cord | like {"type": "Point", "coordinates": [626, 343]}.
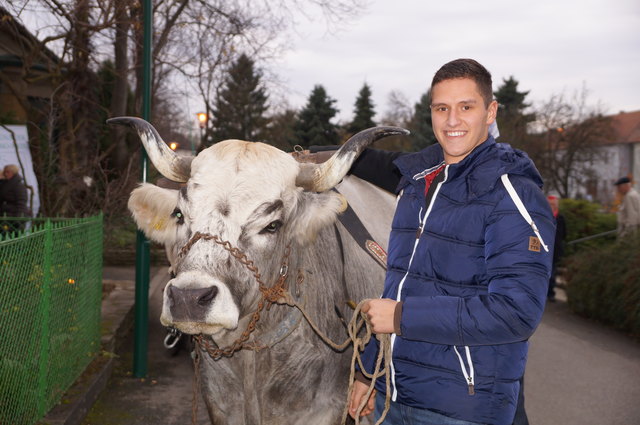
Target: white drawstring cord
{"type": "Point", "coordinates": [522, 209]}
{"type": "Point", "coordinates": [469, 377]}
{"type": "Point", "coordinates": [394, 394]}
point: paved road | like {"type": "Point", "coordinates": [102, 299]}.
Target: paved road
{"type": "Point", "coordinates": [165, 396]}
{"type": "Point", "coordinates": [579, 373]}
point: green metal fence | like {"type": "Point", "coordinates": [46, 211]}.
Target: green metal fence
{"type": "Point", "coordinates": [50, 298]}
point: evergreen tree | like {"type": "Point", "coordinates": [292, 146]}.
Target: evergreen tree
{"type": "Point", "coordinates": [241, 104]}
{"type": "Point", "coordinates": [314, 126]}
{"type": "Point", "coordinates": [420, 124]}
{"type": "Point", "coordinates": [364, 111]}
{"type": "Point", "coordinates": [280, 131]}
{"type": "Point", "coordinates": [512, 120]}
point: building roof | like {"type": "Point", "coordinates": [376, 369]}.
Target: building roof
{"type": "Point", "coordinates": [18, 41]}
{"type": "Point", "coordinates": [626, 126]}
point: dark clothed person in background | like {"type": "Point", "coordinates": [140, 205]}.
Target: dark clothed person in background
{"type": "Point", "coordinates": [558, 246]}
{"type": "Point", "coordinates": [13, 199]}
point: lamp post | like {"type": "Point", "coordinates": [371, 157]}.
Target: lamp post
{"type": "Point", "coordinates": [203, 117]}
{"type": "Point", "coordinates": [141, 308]}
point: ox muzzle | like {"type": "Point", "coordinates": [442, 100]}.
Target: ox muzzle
{"type": "Point", "coordinates": [195, 302]}
{"type": "Point", "coordinates": [190, 305]}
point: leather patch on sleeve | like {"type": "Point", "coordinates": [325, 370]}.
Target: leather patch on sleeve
{"type": "Point", "coordinates": [534, 244]}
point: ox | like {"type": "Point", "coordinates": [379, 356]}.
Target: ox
{"type": "Point", "coordinates": [281, 215]}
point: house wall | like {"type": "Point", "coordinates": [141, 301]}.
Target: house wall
{"type": "Point", "coordinates": [599, 175]}
{"type": "Point", "coordinates": [10, 107]}
{"type": "Point", "coordinates": [635, 169]}
{"type": "Point", "coordinates": [37, 84]}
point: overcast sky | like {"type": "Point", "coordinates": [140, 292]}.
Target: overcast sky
{"type": "Point", "coordinates": [549, 46]}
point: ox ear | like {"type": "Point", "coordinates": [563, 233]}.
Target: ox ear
{"type": "Point", "coordinates": [152, 207]}
{"type": "Point", "coordinates": [316, 211]}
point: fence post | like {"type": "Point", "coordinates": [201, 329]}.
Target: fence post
{"type": "Point", "coordinates": [45, 306]}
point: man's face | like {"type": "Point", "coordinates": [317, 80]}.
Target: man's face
{"type": "Point", "coordinates": [624, 188]}
{"type": "Point", "coordinates": [459, 117]}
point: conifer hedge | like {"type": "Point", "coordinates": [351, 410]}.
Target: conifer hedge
{"type": "Point", "coordinates": [603, 283]}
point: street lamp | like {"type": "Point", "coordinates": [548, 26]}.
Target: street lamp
{"type": "Point", "coordinates": [202, 120]}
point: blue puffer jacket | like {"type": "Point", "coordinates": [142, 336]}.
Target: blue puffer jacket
{"type": "Point", "coordinates": [473, 284]}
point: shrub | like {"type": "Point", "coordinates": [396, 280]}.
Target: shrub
{"type": "Point", "coordinates": [604, 284]}
{"type": "Point", "coordinates": [584, 219]}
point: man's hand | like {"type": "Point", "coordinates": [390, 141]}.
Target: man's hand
{"type": "Point", "coordinates": [359, 391]}
{"type": "Point", "coordinates": [380, 314]}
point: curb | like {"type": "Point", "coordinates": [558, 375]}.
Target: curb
{"type": "Point", "coordinates": [116, 320]}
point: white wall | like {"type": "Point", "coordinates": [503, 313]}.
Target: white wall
{"type": "Point", "coordinates": [8, 156]}
{"type": "Point", "coordinates": [612, 164]}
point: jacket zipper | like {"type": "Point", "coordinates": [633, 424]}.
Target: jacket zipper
{"type": "Point", "coordinates": [422, 222]}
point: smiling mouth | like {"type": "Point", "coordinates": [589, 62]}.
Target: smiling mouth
{"type": "Point", "coordinates": [455, 133]}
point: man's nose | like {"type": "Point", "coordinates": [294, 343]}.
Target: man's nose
{"type": "Point", "coordinates": [452, 118]}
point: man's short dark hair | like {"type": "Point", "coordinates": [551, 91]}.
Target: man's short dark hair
{"type": "Point", "coordinates": [466, 68]}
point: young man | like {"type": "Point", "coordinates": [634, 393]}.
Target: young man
{"type": "Point", "coordinates": [468, 265]}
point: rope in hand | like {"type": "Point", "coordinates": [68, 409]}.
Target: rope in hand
{"type": "Point", "coordinates": [357, 322]}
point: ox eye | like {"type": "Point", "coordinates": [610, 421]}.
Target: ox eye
{"type": "Point", "coordinates": [177, 214]}
{"type": "Point", "coordinates": [272, 227]}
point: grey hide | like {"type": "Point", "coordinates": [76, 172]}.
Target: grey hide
{"type": "Point", "coordinates": [301, 380]}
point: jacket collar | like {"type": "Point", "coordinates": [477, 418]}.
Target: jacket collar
{"type": "Point", "coordinates": [480, 171]}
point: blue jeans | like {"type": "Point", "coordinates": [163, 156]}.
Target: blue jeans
{"type": "Point", "coordinates": [400, 414]}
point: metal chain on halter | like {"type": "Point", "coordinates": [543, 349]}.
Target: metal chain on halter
{"type": "Point", "coordinates": [270, 295]}
{"type": "Point", "coordinates": [278, 294]}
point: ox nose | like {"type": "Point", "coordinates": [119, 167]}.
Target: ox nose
{"type": "Point", "coordinates": [190, 305]}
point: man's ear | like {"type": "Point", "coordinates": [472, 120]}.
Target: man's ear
{"type": "Point", "coordinates": [315, 212]}
{"type": "Point", "coordinates": [492, 112]}
{"type": "Point", "coordinates": [151, 207]}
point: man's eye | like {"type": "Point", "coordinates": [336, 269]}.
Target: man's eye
{"type": "Point", "coordinates": [272, 227]}
{"type": "Point", "coordinates": [177, 214]}
{"type": "Point", "coordinates": [466, 108]}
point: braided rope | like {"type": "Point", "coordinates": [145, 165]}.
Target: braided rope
{"type": "Point", "coordinates": [356, 324]}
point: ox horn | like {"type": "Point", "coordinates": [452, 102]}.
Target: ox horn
{"type": "Point", "coordinates": [322, 177]}
{"type": "Point", "coordinates": [169, 164]}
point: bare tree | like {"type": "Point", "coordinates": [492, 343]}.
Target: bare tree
{"type": "Point", "coordinates": [398, 110]}
{"type": "Point", "coordinates": [398, 113]}
{"type": "Point", "coordinates": [211, 35]}
{"type": "Point", "coordinates": [62, 126]}
{"type": "Point", "coordinates": [193, 42]}
{"type": "Point", "coordinates": [565, 141]}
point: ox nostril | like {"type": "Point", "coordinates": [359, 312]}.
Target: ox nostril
{"type": "Point", "coordinates": [208, 296]}
{"type": "Point", "coordinates": [170, 294]}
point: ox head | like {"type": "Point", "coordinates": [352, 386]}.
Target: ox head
{"type": "Point", "coordinates": [251, 194]}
